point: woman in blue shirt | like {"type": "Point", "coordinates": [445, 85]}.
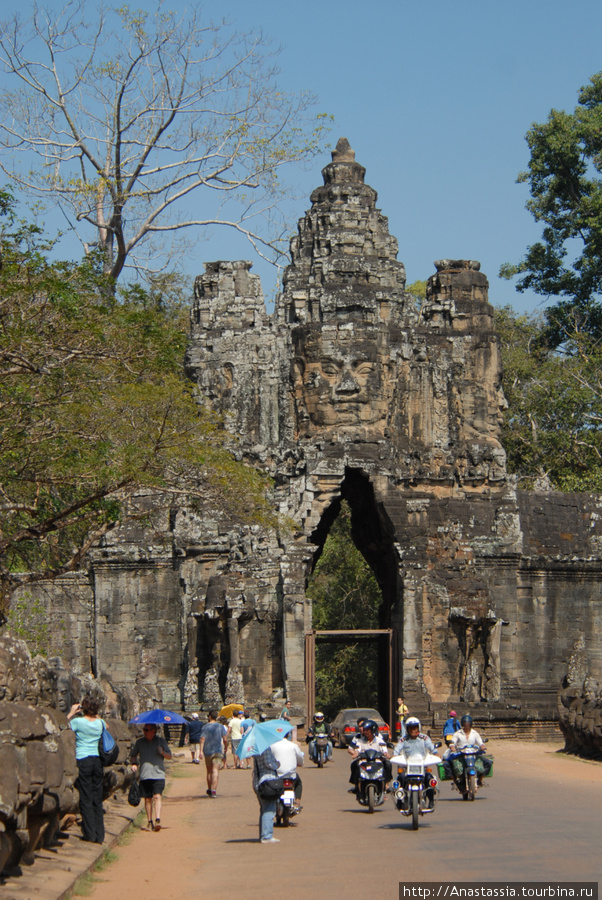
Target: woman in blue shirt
{"type": "Point", "coordinates": [88, 729]}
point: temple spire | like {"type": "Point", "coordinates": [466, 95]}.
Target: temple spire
{"type": "Point", "coordinates": [343, 168]}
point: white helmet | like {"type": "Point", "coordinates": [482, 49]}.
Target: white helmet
{"type": "Point", "coordinates": [412, 721]}
{"type": "Point", "coordinates": [319, 715]}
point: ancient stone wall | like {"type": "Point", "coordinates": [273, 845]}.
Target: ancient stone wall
{"type": "Point", "coordinates": [351, 391]}
{"type": "Point", "coordinates": [37, 747]}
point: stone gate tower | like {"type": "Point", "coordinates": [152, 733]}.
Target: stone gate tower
{"type": "Point", "coordinates": [349, 391]}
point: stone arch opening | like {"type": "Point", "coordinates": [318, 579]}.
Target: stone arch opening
{"type": "Point", "coordinates": [373, 535]}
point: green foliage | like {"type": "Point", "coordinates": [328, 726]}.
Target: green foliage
{"type": "Point", "coordinates": [552, 428]}
{"type": "Point", "coordinates": [566, 196]}
{"type": "Point", "coordinates": [94, 407]}
{"type": "Point", "coordinates": [345, 595]}
{"type": "Point", "coordinates": [418, 290]}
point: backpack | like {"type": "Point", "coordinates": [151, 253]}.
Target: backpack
{"type": "Point", "coordinates": [108, 751]}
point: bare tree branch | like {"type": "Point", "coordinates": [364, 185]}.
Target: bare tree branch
{"type": "Point", "coordinates": [125, 119]}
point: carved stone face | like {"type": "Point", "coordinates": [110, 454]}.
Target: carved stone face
{"type": "Point", "coordinates": [342, 378]}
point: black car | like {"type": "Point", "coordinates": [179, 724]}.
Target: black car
{"type": "Point", "coordinates": [344, 726]}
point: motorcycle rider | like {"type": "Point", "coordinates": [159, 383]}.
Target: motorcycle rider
{"type": "Point", "coordinates": [368, 739]}
{"type": "Point", "coordinates": [289, 756]}
{"type": "Point", "coordinates": [318, 726]}
{"type": "Point", "coordinates": [414, 734]}
{"type": "Point", "coordinates": [451, 726]}
{"type": "Point", "coordinates": [466, 736]}
{"type": "Point", "coordinates": [417, 742]}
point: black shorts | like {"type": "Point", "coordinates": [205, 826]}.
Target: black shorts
{"type": "Point", "coordinates": [151, 786]}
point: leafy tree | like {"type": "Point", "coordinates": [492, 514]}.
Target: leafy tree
{"type": "Point", "coordinates": [417, 290]}
{"type": "Point", "coordinates": [552, 429]}
{"type": "Point", "coordinates": [94, 408]}
{"type": "Point", "coordinates": [345, 595]}
{"type": "Point", "coordinates": [566, 196]}
{"type": "Point", "coordinates": [129, 114]}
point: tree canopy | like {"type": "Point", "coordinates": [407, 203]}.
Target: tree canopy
{"type": "Point", "coordinates": [566, 197]}
{"type": "Point", "coordinates": [139, 124]}
{"type": "Point", "coordinates": [94, 407]}
{"type": "Point", "coordinates": [552, 428]}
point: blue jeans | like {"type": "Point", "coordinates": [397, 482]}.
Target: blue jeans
{"type": "Point", "coordinates": [314, 755]}
{"type": "Point", "coordinates": [267, 811]}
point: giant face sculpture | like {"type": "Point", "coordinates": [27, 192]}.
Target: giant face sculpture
{"type": "Point", "coordinates": [342, 378]}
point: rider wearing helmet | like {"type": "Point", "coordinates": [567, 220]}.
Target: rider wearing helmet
{"type": "Point", "coordinates": [415, 734]}
{"type": "Point", "coordinates": [368, 739]}
{"type": "Point", "coordinates": [469, 736]}
{"type": "Point", "coordinates": [417, 742]}
{"type": "Point", "coordinates": [318, 726]}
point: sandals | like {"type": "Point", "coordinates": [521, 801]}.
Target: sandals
{"type": "Point", "coordinates": [157, 824]}
{"type": "Point", "coordinates": [150, 825]}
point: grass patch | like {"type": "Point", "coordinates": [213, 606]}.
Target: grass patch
{"type": "Point", "coordinates": [84, 885]}
{"type": "Point", "coordinates": [108, 857]}
{"type": "Point", "coordinates": [127, 836]}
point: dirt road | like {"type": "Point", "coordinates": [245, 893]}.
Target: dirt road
{"type": "Point", "coordinates": [538, 819]}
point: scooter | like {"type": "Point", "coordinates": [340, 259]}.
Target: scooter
{"type": "Point", "coordinates": [415, 790]}
{"type": "Point", "coordinates": [319, 750]}
{"type": "Point", "coordinates": [286, 804]}
{"type": "Point", "coordinates": [371, 782]}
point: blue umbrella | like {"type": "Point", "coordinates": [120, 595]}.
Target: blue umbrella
{"type": "Point", "coordinates": [262, 736]}
{"type": "Point", "coordinates": [158, 717]}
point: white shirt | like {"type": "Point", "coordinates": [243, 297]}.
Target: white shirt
{"type": "Point", "coordinates": [235, 729]}
{"type": "Point", "coordinates": [461, 739]}
{"type": "Point", "coordinates": [288, 756]}
{"type": "Point", "coordinates": [360, 743]}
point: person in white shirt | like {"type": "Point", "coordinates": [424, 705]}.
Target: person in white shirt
{"type": "Point", "coordinates": [468, 736]}
{"type": "Point", "coordinates": [289, 755]}
{"type": "Point", "coordinates": [368, 739]}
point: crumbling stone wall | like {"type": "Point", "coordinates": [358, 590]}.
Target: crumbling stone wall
{"type": "Point", "coordinates": [580, 706]}
{"type": "Point", "coordinates": [350, 391]}
{"type": "Point", "coordinates": [37, 748]}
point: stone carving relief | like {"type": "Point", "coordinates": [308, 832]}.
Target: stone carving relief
{"type": "Point", "coordinates": [342, 380]}
{"type": "Point", "coordinates": [349, 391]}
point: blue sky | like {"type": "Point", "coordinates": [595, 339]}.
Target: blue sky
{"type": "Point", "coordinates": [435, 98]}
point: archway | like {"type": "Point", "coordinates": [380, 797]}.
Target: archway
{"type": "Point", "coordinates": [382, 634]}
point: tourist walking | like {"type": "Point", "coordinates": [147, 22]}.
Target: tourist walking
{"type": "Point", "coordinates": [194, 736]}
{"type": "Point", "coordinates": [212, 748]}
{"type": "Point", "coordinates": [279, 760]}
{"type": "Point", "coordinates": [235, 731]}
{"type": "Point", "coordinates": [152, 751]}
{"type": "Point", "coordinates": [246, 723]}
{"type": "Point", "coordinates": [88, 729]}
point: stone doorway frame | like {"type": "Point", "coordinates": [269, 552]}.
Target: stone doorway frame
{"type": "Point", "coordinates": [350, 634]}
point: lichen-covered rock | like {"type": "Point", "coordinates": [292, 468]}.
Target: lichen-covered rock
{"type": "Point", "coordinates": [37, 748]}
{"type": "Point", "coordinates": [580, 718]}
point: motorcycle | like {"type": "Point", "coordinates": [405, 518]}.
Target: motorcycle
{"type": "Point", "coordinates": [467, 781]}
{"type": "Point", "coordinates": [415, 790]}
{"type": "Point", "coordinates": [371, 781]}
{"type": "Point", "coordinates": [319, 750]}
{"type": "Point", "coordinates": [286, 804]}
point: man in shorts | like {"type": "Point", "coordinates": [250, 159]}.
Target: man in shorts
{"type": "Point", "coordinates": [194, 735]}
{"type": "Point", "coordinates": [212, 747]}
{"type": "Point", "coordinates": [152, 751]}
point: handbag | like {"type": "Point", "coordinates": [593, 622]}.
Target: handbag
{"type": "Point", "coordinates": [134, 793]}
{"type": "Point", "coordinates": [108, 751]}
{"type": "Point", "coordinates": [270, 788]}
